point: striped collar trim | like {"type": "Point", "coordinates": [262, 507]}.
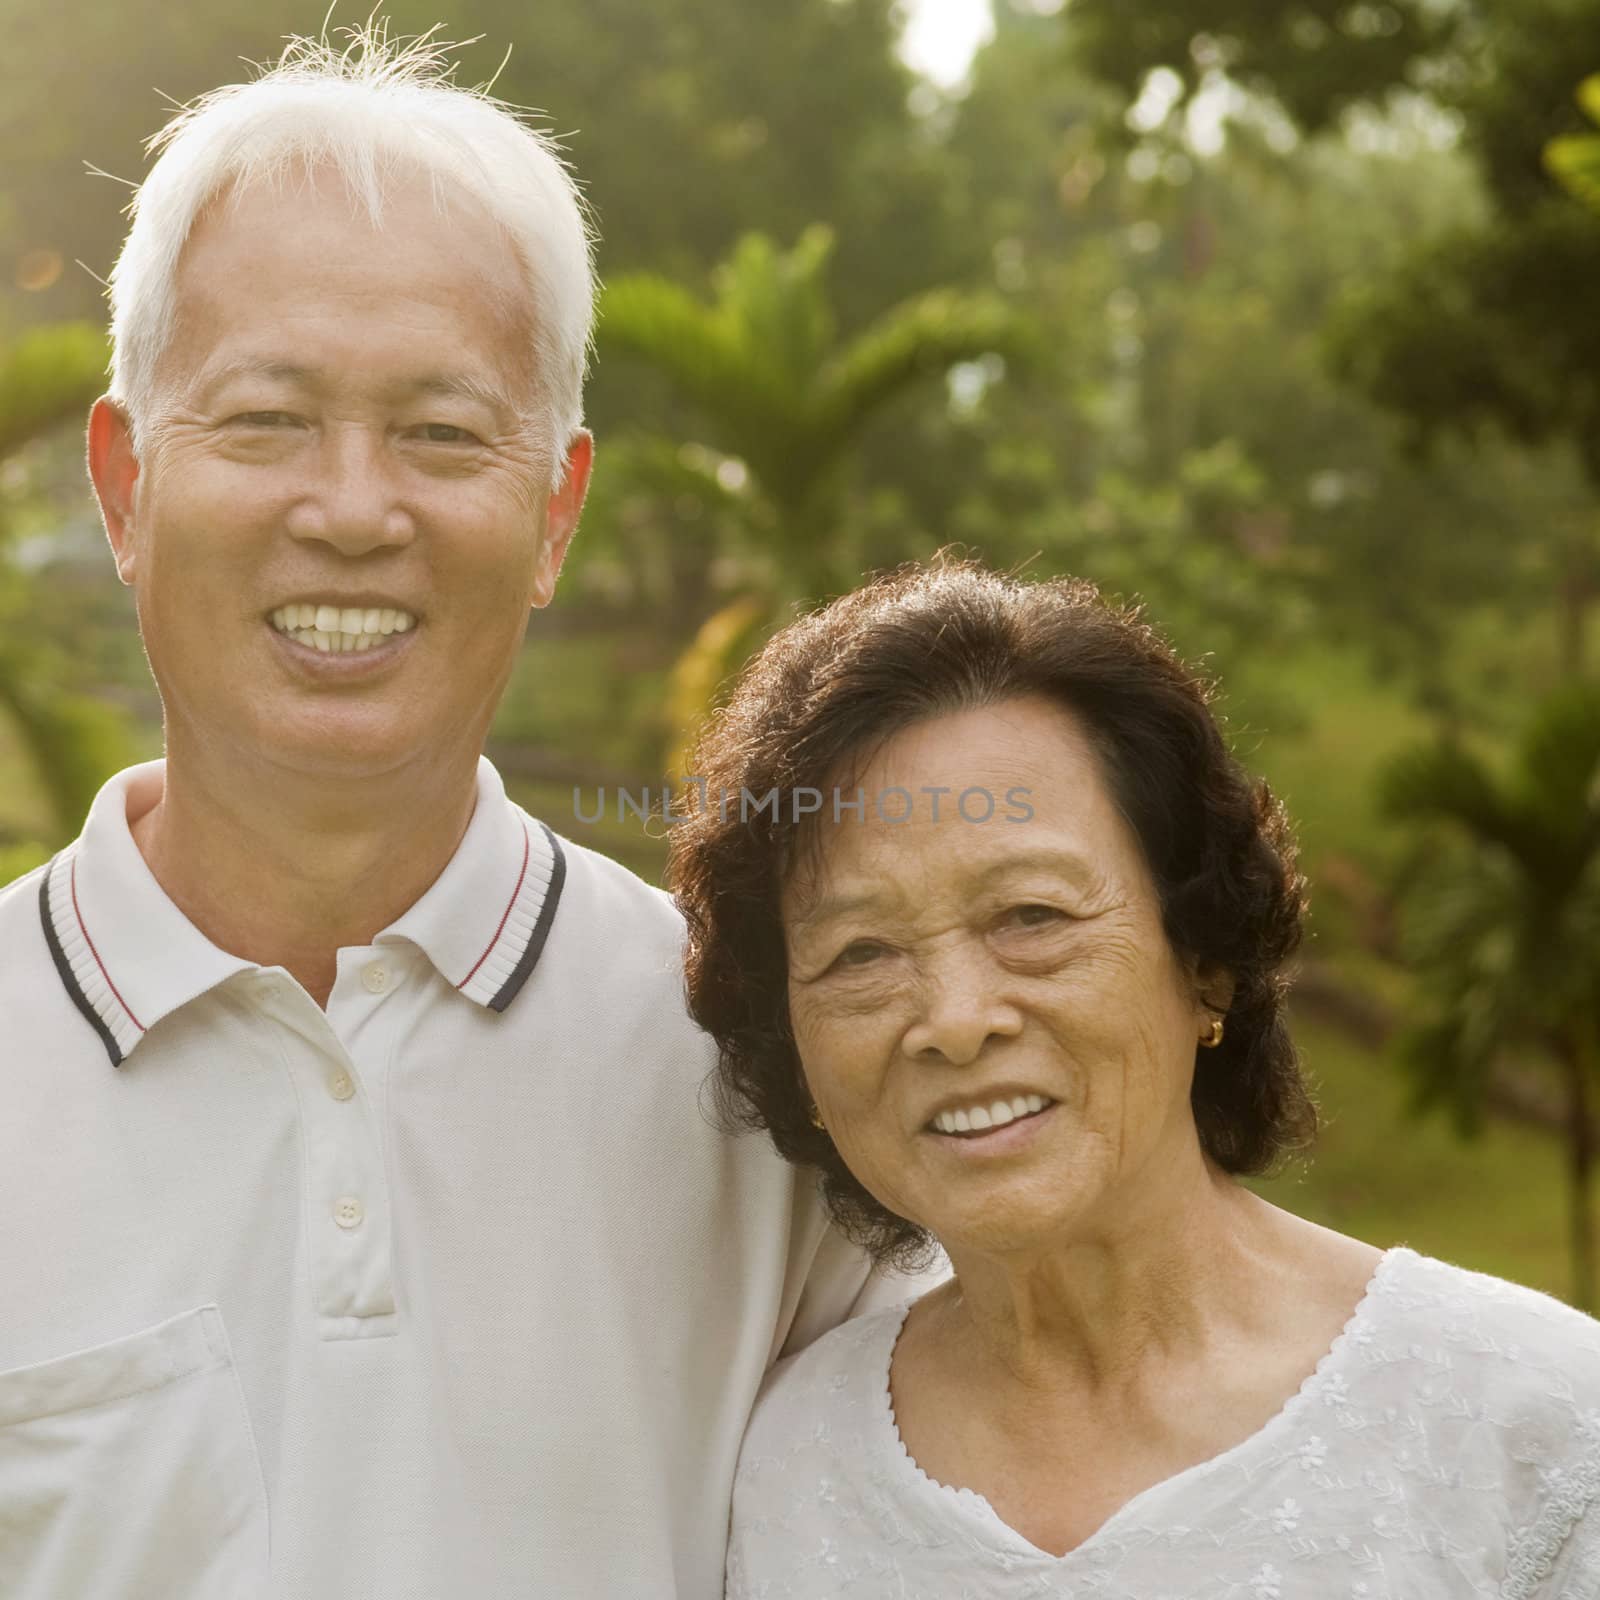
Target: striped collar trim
{"type": "Point", "coordinates": [484, 922]}
{"type": "Point", "coordinates": [82, 971]}
{"type": "Point", "coordinates": [499, 973]}
{"type": "Point", "coordinates": [127, 956]}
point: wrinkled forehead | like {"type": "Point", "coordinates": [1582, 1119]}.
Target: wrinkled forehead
{"type": "Point", "coordinates": [261, 251]}
{"type": "Point", "coordinates": [312, 212]}
{"type": "Point", "coordinates": [955, 799]}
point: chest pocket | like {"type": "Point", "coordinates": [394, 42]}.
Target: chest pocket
{"type": "Point", "coordinates": [129, 1472]}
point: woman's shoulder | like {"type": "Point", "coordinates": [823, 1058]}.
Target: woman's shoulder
{"type": "Point", "coordinates": [1516, 1340]}
{"type": "Point", "coordinates": [1488, 1390]}
{"type": "Point", "coordinates": [836, 1384]}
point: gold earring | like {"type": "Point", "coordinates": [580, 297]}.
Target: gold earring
{"type": "Point", "coordinates": [816, 1120]}
{"type": "Point", "coordinates": [1211, 1040]}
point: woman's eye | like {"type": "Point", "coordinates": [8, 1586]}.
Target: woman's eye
{"type": "Point", "coordinates": [859, 954]}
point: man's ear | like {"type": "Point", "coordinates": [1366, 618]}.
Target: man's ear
{"type": "Point", "coordinates": [114, 470]}
{"type": "Point", "coordinates": [561, 517]}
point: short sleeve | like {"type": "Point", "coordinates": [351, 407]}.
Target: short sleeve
{"type": "Point", "coordinates": [1575, 1567]}
{"type": "Point", "coordinates": [842, 1283]}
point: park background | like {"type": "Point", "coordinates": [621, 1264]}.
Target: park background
{"type": "Point", "coordinates": [1281, 319]}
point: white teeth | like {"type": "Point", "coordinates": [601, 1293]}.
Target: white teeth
{"type": "Point", "coordinates": [339, 629]}
{"type": "Point", "coordinates": [977, 1118]}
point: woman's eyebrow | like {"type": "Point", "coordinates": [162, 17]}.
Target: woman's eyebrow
{"type": "Point", "coordinates": [1070, 864]}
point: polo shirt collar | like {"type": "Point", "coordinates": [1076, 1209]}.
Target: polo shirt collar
{"type": "Point", "coordinates": [128, 956]}
{"type": "Point", "coordinates": [484, 922]}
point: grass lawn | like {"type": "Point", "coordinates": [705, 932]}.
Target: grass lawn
{"type": "Point", "coordinates": [1495, 1204]}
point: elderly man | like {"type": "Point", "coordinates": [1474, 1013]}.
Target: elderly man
{"type": "Point", "coordinates": [361, 1229]}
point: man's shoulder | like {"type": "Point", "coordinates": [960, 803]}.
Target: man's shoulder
{"type": "Point", "coordinates": [19, 916]}
{"type": "Point", "coordinates": [613, 899]}
{"type": "Point", "coordinates": [613, 929]}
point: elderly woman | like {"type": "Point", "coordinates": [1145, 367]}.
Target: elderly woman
{"type": "Point", "coordinates": [1003, 960]}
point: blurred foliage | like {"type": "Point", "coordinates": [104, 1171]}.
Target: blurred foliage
{"type": "Point", "coordinates": [1503, 924]}
{"type": "Point", "coordinates": [781, 403]}
{"type": "Point", "coordinates": [1310, 367]}
{"type": "Point", "coordinates": [1574, 158]}
{"type": "Point", "coordinates": [1315, 57]}
{"type": "Point", "coordinates": [70, 740]}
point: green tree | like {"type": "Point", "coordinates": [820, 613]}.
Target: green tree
{"type": "Point", "coordinates": [781, 401]}
{"type": "Point", "coordinates": [1574, 158]}
{"type": "Point", "coordinates": [70, 740]}
{"type": "Point", "coordinates": [1502, 922]}
{"type": "Point", "coordinates": [1487, 326]}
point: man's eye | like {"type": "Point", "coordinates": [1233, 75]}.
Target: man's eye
{"type": "Point", "coordinates": [445, 433]}
{"type": "Point", "coordinates": [265, 419]}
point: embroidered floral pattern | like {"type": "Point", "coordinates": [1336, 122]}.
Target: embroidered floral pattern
{"type": "Point", "coordinates": [1421, 1459]}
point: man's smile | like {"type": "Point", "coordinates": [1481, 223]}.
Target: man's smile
{"type": "Point", "coordinates": [340, 630]}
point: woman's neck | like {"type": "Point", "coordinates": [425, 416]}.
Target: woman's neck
{"type": "Point", "coordinates": [1107, 1310]}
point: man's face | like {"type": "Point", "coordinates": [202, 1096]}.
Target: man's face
{"type": "Point", "coordinates": [342, 511]}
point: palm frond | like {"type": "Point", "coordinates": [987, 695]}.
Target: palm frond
{"type": "Point", "coordinates": [1445, 783]}
{"type": "Point", "coordinates": [1559, 774]}
{"type": "Point", "coordinates": [777, 302]}
{"type": "Point", "coordinates": [699, 351]}
{"type": "Point", "coordinates": [918, 339]}
{"type": "Point", "coordinates": [1448, 1068]}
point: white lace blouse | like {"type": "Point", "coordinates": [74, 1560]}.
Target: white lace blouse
{"type": "Point", "coordinates": [1447, 1445]}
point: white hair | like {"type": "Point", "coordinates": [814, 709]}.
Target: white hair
{"type": "Point", "coordinates": [368, 112]}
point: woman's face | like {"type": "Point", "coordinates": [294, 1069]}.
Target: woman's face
{"type": "Point", "coordinates": [944, 972]}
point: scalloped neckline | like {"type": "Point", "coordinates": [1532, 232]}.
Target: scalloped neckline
{"type": "Point", "coordinates": [999, 1529]}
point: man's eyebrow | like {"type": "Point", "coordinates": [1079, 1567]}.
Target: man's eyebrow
{"type": "Point", "coordinates": [457, 385]}
{"type": "Point", "coordinates": [281, 371]}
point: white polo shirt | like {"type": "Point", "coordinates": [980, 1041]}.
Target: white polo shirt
{"type": "Point", "coordinates": [450, 1290]}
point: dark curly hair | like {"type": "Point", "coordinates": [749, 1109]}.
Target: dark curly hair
{"type": "Point", "coordinates": [952, 636]}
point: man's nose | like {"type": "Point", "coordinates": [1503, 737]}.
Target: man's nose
{"type": "Point", "coordinates": [353, 501]}
{"type": "Point", "coordinates": [961, 1005]}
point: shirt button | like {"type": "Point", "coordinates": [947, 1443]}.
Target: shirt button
{"type": "Point", "coordinates": [341, 1086]}
{"type": "Point", "coordinates": [348, 1211]}
{"type": "Point", "coordinates": [374, 977]}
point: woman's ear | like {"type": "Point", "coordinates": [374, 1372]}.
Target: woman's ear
{"type": "Point", "coordinates": [1214, 987]}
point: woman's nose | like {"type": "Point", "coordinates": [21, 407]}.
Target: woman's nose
{"type": "Point", "coordinates": [960, 1006]}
